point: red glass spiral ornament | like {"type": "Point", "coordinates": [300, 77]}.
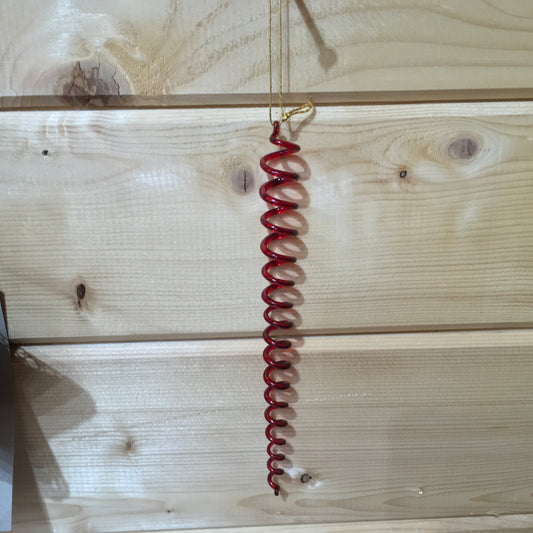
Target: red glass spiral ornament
{"type": "Point", "coordinates": [277, 179]}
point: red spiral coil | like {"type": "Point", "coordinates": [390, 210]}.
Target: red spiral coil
{"type": "Point", "coordinates": [278, 178]}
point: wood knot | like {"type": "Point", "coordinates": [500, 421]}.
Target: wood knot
{"type": "Point", "coordinates": [81, 295]}
{"type": "Point", "coordinates": [243, 180]}
{"type": "Point", "coordinates": [463, 149]}
{"type": "Point", "coordinates": [80, 292]}
{"type": "Point", "coordinates": [89, 85]}
{"type": "Point", "coordinates": [306, 478]}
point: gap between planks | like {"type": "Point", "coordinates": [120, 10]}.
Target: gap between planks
{"type": "Point", "coordinates": [295, 334]}
{"type": "Point", "coordinates": [225, 101]}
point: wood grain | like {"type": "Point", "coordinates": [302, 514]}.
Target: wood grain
{"type": "Point", "coordinates": [149, 436]}
{"type": "Point", "coordinates": [440, 525]}
{"type": "Point", "coordinates": [96, 53]}
{"type": "Point", "coordinates": [414, 217]}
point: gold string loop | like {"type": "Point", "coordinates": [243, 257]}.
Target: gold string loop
{"type": "Point", "coordinates": [304, 108]}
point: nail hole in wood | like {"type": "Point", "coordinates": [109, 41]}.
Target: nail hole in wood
{"type": "Point", "coordinates": [403, 174]}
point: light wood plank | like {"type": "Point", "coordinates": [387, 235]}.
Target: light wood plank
{"type": "Point", "coordinates": [440, 525]}
{"type": "Point", "coordinates": [149, 211]}
{"type": "Point", "coordinates": [121, 437]}
{"type": "Point", "coordinates": [99, 53]}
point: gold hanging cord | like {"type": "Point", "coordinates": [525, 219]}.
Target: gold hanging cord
{"type": "Point", "coordinates": [304, 108]}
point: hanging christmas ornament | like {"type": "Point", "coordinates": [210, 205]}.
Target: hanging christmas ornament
{"type": "Point", "coordinates": [270, 193]}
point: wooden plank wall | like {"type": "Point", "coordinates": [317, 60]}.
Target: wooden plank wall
{"type": "Point", "coordinates": [155, 435]}
{"type": "Point", "coordinates": [143, 208]}
{"type": "Point", "coordinates": [130, 264]}
{"type": "Point", "coordinates": [98, 53]}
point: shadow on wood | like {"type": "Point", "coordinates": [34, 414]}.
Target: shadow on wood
{"type": "Point", "coordinates": [46, 405]}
